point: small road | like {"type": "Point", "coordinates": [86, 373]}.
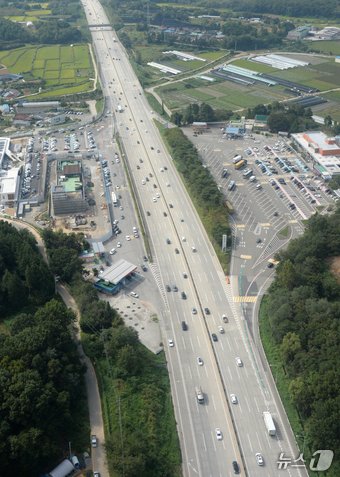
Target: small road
{"type": "Point", "coordinates": [98, 456]}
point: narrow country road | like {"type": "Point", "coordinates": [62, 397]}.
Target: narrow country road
{"type": "Point", "coordinates": [98, 456]}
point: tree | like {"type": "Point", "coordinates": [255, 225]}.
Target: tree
{"type": "Point", "coordinates": [278, 122]}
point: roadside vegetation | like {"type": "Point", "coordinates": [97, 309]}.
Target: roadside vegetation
{"type": "Point", "coordinates": [140, 428]}
{"type": "Point", "coordinates": [299, 324]}
{"type": "Point", "coordinates": [42, 392]}
{"type": "Point", "coordinates": [207, 199]}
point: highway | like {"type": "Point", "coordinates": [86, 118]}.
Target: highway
{"type": "Point", "coordinates": [168, 214]}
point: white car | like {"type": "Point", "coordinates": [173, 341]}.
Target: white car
{"type": "Point", "coordinates": [239, 362]}
{"type": "Point", "coordinates": [219, 435]}
{"type": "Point", "coordinates": [119, 244]}
{"type": "Point", "coordinates": [171, 343]}
{"type": "Point", "coordinates": [161, 169]}
{"type": "Point", "coordinates": [112, 251]}
{"type": "Point", "coordinates": [134, 294]}
{"type": "Point", "coordinates": [128, 237]}
{"type": "Point", "coordinates": [154, 199]}
{"type": "Point", "coordinates": [94, 440]}
{"type": "Point", "coordinates": [233, 398]}
{"type": "Point", "coordinates": [200, 361]}
{"type": "Point", "coordinates": [143, 182]}
{"type": "Point", "coordinates": [259, 459]}
{"type": "Point", "coordinates": [221, 330]}
{"type": "Point", "coordinates": [157, 195]}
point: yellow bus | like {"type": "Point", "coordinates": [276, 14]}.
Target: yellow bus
{"type": "Point", "coordinates": [240, 164]}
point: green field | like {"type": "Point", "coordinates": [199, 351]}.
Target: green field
{"type": "Point", "coordinates": [223, 95]}
{"type": "Point", "coordinates": [66, 69]}
{"type": "Point", "coordinates": [332, 47]}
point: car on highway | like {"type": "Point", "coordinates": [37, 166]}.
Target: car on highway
{"type": "Point", "coordinates": [206, 311]}
{"type": "Point", "coordinates": [127, 237]}
{"type": "Point", "coordinates": [174, 288]}
{"type": "Point", "coordinates": [165, 214]}
{"type": "Point", "coordinates": [219, 435]}
{"type": "Point", "coordinates": [214, 337]}
{"type": "Point", "coordinates": [145, 258]}
{"type": "Point", "coordinates": [236, 467]}
{"type": "Point", "coordinates": [119, 244]}
{"type": "Point", "coordinates": [185, 275]}
{"type": "Point", "coordinates": [168, 241]}
{"type": "Point", "coordinates": [194, 311]}
{"type": "Point", "coordinates": [199, 361]}
{"type": "Point", "coordinates": [112, 251]}
{"type": "Point", "coordinates": [233, 398]}
{"type": "Point", "coordinates": [259, 459]}
{"type": "Point", "coordinates": [239, 362]}
{"type": "Point", "coordinates": [154, 199]}
{"type": "Point", "coordinates": [167, 287]}
{"type": "Point", "coordinates": [171, 343]}
{"type": "Point", "coordinates": [184, 326]}
{"type": "Point", "coordinates": [148, 213]}
{"type": "Point", "coordinates": [193, 248]}
{"type": "Point", "coordinates": [176, 250]}
{"type": "Point", "coordinates": [94, 440]}
{"type": "Point", "coordinates": [221, 330]}
{"type": "Point", "coordinates": [224, 318]}
{"type": "Point", "coordinates": [171, 206]}
{"type": "Point", "coordinates": [134, 294]}
{"type": "Point", "coordinates": [183, 295]}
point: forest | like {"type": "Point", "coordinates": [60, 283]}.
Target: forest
{"type": "Point", "coordinates": [303, 313]}
{"type": "Point", "coordinates": [41, 378]}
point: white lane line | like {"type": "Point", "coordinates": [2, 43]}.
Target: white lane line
{"type": "Point", "coordinates": [204, 443]}
{"type": "Point", "coordinates": [213, 401]}
{"type": "Point", "coordinates": [184, 345]}
{"type": "Point", "coordinates": [256, 404]}
{"type": "Point", "coordinates": [249, 440]}
{"type": "Point", "coordinates": [247, 402]}
{"type": "Point", "coordinates": [222, 346]}
{"type": "Point", "coordinates": [192, 345]}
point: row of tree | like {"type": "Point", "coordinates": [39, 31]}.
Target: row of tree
{"type": "Point", "coordinates": [200, 112]}
{"type": "Point", "coordinates": [304, 316]}
{"type": "Point", "coordinates": [47, 31]}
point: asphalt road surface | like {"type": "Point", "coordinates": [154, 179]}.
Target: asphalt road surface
{"type": "Point", "coordinates": [168, 214]}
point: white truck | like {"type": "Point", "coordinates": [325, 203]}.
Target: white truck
{"type": "Point", "coordinates": [119, 108]}
{"type": "Point", "coordinates": [237, 158]}
{"type": "Point", "coordinates": [269, 423]}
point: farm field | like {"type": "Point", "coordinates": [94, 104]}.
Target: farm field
{"type": "Point", "coordinates": [59, 66]}
{"type": "Point", "coordinates": [332, 47]}
{"type": "Point", "coordinates": [224, 95]}
{"type": "Point", "coordinates": [323, 74]}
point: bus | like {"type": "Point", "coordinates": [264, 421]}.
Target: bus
{"type": "Point", "coordinates": [240, 164]}
{"type": "Point", "coordinates": [237, 158]}
{"type": "Point", "coordinates": [232, 185]}
{"type": "Point", "coordinates": [114, 199]}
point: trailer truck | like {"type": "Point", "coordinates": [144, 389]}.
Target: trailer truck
{"type": "Point", "coordinates": [269, 423]}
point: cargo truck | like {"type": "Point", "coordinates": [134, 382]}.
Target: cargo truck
{"type": "Point", "coordinates": [269, 423]}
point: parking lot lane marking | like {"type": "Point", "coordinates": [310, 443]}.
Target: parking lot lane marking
{"type": "Point", "coordinates": [292, 221]}
{"type": "Point", "coordinates": [268, 224]}
{"type": "Point", "coordinates": [246, 257]}
{"type": "Point", "coordinates": [239, 226]}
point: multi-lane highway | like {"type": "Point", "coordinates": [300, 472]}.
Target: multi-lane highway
{"type": "Point", "coordinates": [189, 263]}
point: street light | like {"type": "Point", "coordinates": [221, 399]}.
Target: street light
{"type": "Point", "coordinates": [302, 436]}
